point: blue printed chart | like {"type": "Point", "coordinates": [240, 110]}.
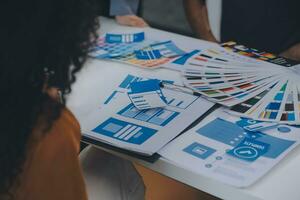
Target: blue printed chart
{"type": "Point", "coordinates": [222, 148]}
{"type": "Point", "coordinates": [121, 124]}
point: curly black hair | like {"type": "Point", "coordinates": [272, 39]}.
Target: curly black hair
{"type": "Point", "coordinates": [37, 35]}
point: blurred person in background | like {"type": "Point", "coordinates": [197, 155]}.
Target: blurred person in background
{"type": "Point", "coordinates": [124, 12]}
{"type": "Point", "coordinates": [269, 25]}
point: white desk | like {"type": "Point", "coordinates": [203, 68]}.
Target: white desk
{"type": "Point", "coordinates": [281, 183]}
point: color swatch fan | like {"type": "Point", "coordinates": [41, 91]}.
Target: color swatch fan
{"type": "Point", "coordinates": [266, 89]}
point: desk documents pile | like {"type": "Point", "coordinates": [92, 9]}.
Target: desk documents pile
{"type": "Point", "coordinates": [236, 144]}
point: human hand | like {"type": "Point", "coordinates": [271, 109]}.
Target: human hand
{"type": "Point", "coordinates": [292, 53]}
{"type": "Point", "coordinates": [209, 36]}
{"type": "Point", "coordinates": [131, 20]}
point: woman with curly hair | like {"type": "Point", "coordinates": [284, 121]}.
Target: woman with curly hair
{"type": "Point", "coordinates": [43, 44]}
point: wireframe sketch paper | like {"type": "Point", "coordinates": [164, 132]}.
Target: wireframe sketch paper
{"type": "Point", "coordinates": [223, 148]}
{"type": "Point", "coordinates": [118, 122]}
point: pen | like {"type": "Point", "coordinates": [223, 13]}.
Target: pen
{"type": "Point", "coordinates": [178, 88]}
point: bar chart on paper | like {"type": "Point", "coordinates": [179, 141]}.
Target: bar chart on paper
{"type": "Point", "coordinates": [157, 116]}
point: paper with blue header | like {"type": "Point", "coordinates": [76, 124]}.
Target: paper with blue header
{"type": "Point", "coordinates": [223, 148]}
{"type": "Point", "coordinates": [136, 127]}
{"type": "Point", "coordinates": [147, 94]}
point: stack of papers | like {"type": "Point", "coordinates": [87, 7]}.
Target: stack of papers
{"type": "Point", "coordinates": [256, 85]}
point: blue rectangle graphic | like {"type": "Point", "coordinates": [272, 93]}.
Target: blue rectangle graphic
{"type": "Point", "coordinates": [126, 82]}
{"type": "Point", "coordinates": [199, 150]}
{"type": "Point", "coordinates": [125, 131]}
{"type": "Point", "coordinates": [233, 134]}
{"type": "Point", "coordinates": [110, 97]}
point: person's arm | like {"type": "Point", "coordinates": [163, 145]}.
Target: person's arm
{"type": "Point", "coordinates": [53, 170]}
{"type": "Point", "coordinates": [125, 12]}
{"type": "Point", "coordinates": [123, 7]}
{"type": "Point", "coordinates": [196, 13]}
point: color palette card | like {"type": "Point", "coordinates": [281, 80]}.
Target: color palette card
{"type": "Point", "coordinates": [248, 81]}
{"type": "Point", "coordinates": [279, 105]}
{"type": "Point", "coordinates": [152, 56]}
{"type": "Point", "coordinates": [124, 38]}
{"type": "Point", "coordinates": [218, 61]}
{"type": "Point", "coordinates": [258, 55]}
{"type": "Point", "coordinates": [148, 55]}
{"type": "Point", "coordinates": [135, 50]}
{"type": "Point", "coordinates": [112, 45]}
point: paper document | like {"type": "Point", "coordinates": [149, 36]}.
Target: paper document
{"type": "Point", "coordinates": [223, 149]}
{"type": "Point", "coordinates": [118, 122]}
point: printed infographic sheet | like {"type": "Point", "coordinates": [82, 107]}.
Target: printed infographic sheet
{"type": "Point", "coordinates": [222, 148]}
{"type": "Point", "coordinates": [120, 123]}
